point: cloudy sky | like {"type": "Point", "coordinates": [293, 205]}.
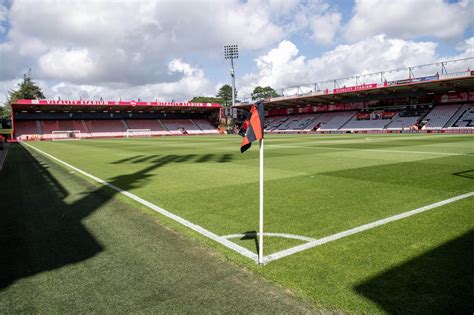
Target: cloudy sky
{"type": "Point", "coordinates": [174, 49]}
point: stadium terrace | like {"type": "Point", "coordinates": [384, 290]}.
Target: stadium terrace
{"type": "Point", "coordinates": [436, 103]}
{"type": "Point", "coordinates": [85, 119]}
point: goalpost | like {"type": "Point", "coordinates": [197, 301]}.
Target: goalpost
{"type": "Point", "coordinates": [138, 133]}
{"type": "Point", "coordinates": [59, 135]}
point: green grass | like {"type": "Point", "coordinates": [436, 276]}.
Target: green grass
{"type": "Point", "coordinates": [69, 246]}
{"type": "Point", "coordinates": [317, 185]}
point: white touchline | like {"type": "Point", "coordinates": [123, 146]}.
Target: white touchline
{"type": "Point", "coordinates": [362, 150]}
{"type": "Point", "coordinates": [239, 249]}
{"type": "Point", "coordinates": [361, 228]}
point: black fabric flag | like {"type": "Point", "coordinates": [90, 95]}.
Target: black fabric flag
{"type": "Point", "coordinates": [253, 127]}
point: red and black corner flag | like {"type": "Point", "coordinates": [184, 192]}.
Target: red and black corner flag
{"type": "Point", "coordinates": [252, 128]}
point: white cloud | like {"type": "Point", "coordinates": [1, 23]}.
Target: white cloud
{"type": "Point", "coordinates": [61, 64]}
{"type": "Point", "coordinates": [466, 48]}
{"type": "Point", "coordinates": [284, 67]}
{"type": "Point", "coordinates": [3, 17]}
{"type": "Point", "coordinates": [5, 87]}
{"type": "Point", "coordinates": [409, 19]}
{"type": "Point", "coordinates": [131, 42]}
{"type": "Point", "coordinates": [325, 26]}
{"type": "Point", "coordinates": [128, 44]}
{"type": "Point", "coordinates": [280, 67]}
{"type": "Point", "coordinates": [191, 84]}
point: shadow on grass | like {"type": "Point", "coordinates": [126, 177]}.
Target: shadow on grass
{"type": "Point", "coordinates": [466, 174]}
{"type": "Point", "coordinates": [39, 230]}
{"type": "Point", "coordinates": [433, 173]}
{"type": "Point", "coordinates": [164, 159]}
{"type": "Point", "coordinates": [440, 281]}
{"type": "Point", "coordinates": [251, 235]}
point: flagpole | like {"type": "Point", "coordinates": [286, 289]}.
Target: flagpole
{"type": "Point", "coordinates": [260, 234]}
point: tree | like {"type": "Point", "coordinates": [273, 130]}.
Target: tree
{"type": "Point", "coordinates": [225, 93]}
{"type": "Point", "coordinates": [5, 112]}
{"type": "Point", "coordinates": [27, 90]}
{"type": "Point", "coordinates": [207, 99]}
{"type": "Point", "coordinates": [263, 92]}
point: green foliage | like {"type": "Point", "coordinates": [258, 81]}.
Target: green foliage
{"type": "Point", "coordinates": [263, 92]}
{"type": "Point", "coordinates": [225, 93]}
{"type": "Point", "coordinates": [5, 111]}
{"type": "Point", "coordinates": [27, 90]}
{"type": "Point", "coordinates": [207, 99]}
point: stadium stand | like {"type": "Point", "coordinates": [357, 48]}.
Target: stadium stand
{"type": "Point", "coordinates": [26, 130]}
{"type": "Point", "coordinates": [440, 103]}
{"type": "Point", "coordinates": [439, 116]}
{"type": "Point", "coordinates": [466, 120]}
{"type": "Point", "coordinates": [409, 118]}
{"type": "Point", "coordinates": [72, 120]}
{"type": "Point", "coordinates": [106, 128]}
{"type": "Point", "coordinates": [205, 126]}
{"type": "Point", "coordinates": [183, 126]}
{"type": "Point", "coordinates": [295, 123]}
{"type": "Point", "coordinates": [402, 123]}
{"type": "Point", "coordinates": [356, 124]}
{"type": "Point", "coordinates": [334, 121]}
{"type": "Point", "coordinates": [273, 123]}
{"type": "Point", "coordinates": [155, 126]}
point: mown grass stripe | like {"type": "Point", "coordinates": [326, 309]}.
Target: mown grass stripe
{"type": "Point", "coordinates": [362, 228]}
{"type": "Point", "coordinates": [239, 249]}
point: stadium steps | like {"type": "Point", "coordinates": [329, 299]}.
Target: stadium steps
{"type": "Point", "coordinates": [454, 119]}
{"type": "Point", "coordinates": [199, 128]}
{"type": "Point", "coordinates": [125, 124]}
{"type": "Point", "coordinates": [422, 117]}
{"type": "Point", "coordinates": [39, 130]}
{"type": "Point", "coordinates": [313, 124]}
{"type": "Point", "coordinates": [162, 125]}
{"type": "Point", "coordinates": [463, 117]}
{"type": "Point", "coordinates": [86, 128]}
{"type": "Point", "coordinates": [347, 121]}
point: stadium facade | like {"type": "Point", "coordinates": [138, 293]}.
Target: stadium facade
{"type": "Point", "coordinates": [435, 103]}
{"type": "Point", "coordinates": [431, 103]}
{"type": "Point", "coordinates": [84, 119]}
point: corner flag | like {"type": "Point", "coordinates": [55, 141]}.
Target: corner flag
{"type": "Point", "coordinates": [253, 127]}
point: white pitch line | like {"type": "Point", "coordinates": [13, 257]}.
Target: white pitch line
{"type": "Point", "coordinates": [361, 228]}
{"type": "Point", "coordinates": [239, 249]}
{"type": "Point", "coordinates": [362, 150]}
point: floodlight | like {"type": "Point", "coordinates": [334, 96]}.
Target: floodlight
{"type": "Point", "coordinates": [232, 52]}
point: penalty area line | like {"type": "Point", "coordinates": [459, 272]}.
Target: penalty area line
{"type": "Point", "coordinates": [365, 227]}
{"type": "Point", "coordinates": [239, 249]}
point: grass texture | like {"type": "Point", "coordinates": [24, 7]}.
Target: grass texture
{"type": "Point", "coordinates": [315, 186]}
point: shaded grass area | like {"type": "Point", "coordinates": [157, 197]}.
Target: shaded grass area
{"type": "Point", "coordinates": [315, 186]}
{"type": "Point", "coordinates": [441, 278]}
{"type": "Point", "coordinates": [71, 246]}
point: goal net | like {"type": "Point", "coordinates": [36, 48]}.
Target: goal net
{"type": "Point", "coordinates": [59, 135]}
{"type": "Point", "coordinates": [138, 133]}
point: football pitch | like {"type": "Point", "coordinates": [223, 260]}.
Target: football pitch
{"type": "Point", "coordinates": [316, 187]}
